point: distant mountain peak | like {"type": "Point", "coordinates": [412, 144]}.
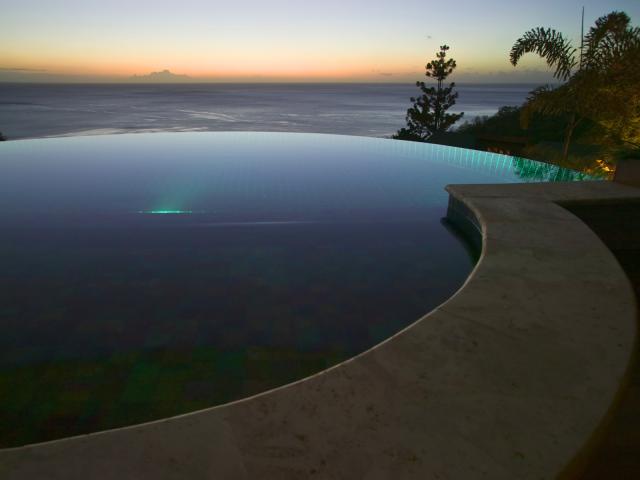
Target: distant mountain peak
{"type": "Point", "coordinates": [163, 76]}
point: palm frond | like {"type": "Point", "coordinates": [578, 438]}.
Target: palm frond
{"type": "Point", "coordinates": [607, 43]}
{"type": "Point", "coordinates": [550, 45]}
{"type": "Point", "coordinates": [610, 24]}
{"type": "Point", "coordinates": [544, 100]}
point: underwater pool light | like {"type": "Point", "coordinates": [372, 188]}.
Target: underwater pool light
{"type": "Point", "coordinates": [166, 212]}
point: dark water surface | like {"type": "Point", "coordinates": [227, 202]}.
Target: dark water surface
{"type": "Point", "coordinates": [374, 110]}
{"type": "Point", "coordinates": [145, 276]}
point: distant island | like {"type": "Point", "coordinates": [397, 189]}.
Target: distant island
{"type": "Point", "coordinates": [164, 76]}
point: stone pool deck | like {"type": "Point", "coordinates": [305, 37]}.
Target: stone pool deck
{"type": "Point", "coordinates": [618, 454]}
{"type": "Point", "coordinates": [515, 376]}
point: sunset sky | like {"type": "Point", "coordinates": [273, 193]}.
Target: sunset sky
{"type": "Point", "coordinates": [281, 40]}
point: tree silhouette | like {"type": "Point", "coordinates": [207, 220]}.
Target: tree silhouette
{"type": "Point", "coordinates": [429, 112]}
{"type": "Point", "coordinates": [590, 73]}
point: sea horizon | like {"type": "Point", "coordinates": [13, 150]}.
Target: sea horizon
{"type": "Point", "coordinates": [145, 82]}
{"type": "Point", "coordinates": [371, 109]}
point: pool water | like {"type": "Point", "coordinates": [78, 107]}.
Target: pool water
{"type": "Point", "coordinates": [150, 275]}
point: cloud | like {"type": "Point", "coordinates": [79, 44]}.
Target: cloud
{"type": "Point", "coordinates": [381, 73]}
{"type": "Point", "coordinates": [10, 69]}
{"type": "Point", "coordinates": [516, 75]}
{"type": "Point", "coordinates": [163, 76]}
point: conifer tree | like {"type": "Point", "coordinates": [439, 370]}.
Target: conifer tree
{"type": "Point", "coordinates": [429, 114]}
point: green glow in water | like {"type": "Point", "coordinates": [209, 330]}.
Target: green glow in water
{"type": "Point", "coordinates": [166, 212]}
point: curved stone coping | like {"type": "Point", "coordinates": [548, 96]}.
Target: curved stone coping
{"type": "Point", "coordinates": [510, 378]}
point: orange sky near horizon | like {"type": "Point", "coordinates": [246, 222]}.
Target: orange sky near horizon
{"type": "Point", "coordinates": [229, 63]}
{"type": "Point", "coordinates": [250, 64]}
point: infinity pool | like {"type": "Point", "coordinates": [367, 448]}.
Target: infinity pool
{"type": "Point", "coordinates": [149, 275]}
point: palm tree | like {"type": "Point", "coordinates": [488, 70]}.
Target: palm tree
{"type": "Point", "coordinates": [609, 46]}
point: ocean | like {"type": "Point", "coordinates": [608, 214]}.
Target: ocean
{"type": "Point", "coordinates": [373, 110]}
